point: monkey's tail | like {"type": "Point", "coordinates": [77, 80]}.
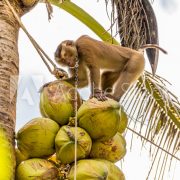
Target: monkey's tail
{"type": "Point", "coordinates": [154, 46]}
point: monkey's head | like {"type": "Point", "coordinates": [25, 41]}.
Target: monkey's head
{"type": "Point", "coordinates": [66, 53]}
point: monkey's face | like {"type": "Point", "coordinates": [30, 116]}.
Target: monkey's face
{"type": "Point", "coordinates": [66, 54]}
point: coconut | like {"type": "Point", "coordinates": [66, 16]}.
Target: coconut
{"type": "Point", "coordinates": [95, 169]}
{"type": "Point", "coordinates": [99, 118]}
{"type": "Point", "coordinates": [65, 144]}
{"type": "Point", "coordinates": [123, 121]}
{"type": "Point", "coordinates": [89, 169]}
{"type": "Point", "coordinates": [114, 173]}
{"type": "Point", "coordinates": [36, 138]}
{"type": "Point", "coordinates": [113, 149]}
{"type": "Point", "coordinates": [36, 169]}
{"type": "Point", "coordinates": [20, 156]}
{"type": "Point", "coordinates": [57, 101]}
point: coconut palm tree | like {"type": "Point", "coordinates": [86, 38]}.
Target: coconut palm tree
{"type": "Point", "coordinates": [148, 101]}
{"type": "Point", "coordinates": [9, 68]}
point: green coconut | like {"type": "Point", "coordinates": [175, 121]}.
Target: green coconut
{"type": "Point", "coordinates": [65, 144]}
{"type": "Point", "coordinates": [95, 169]}
{"type": "Point", "coordinates": [39, 169]}
{"type": "Point", "coordinates": [114, 173]}
{"type": "Point", "coordinates": [99, 118]}
{"type": "Point", "coordinates": [37, 137]}
{"type": "Point", "coordinates": [57, 101]}
{"type": "Point", "coordinates": [123, 121]}
{"type": "Point", "coordinates": [20, 156]}
{"type": "Point", "coordinates": [88, 169]}
{"type": "Point", "coordinates": [113, 149]}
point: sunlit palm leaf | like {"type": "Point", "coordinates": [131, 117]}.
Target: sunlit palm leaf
{"type": "Point", "coordinates": [85, 18]}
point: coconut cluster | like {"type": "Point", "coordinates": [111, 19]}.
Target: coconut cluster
{"type": "Point", "coordinates": [46, 145]}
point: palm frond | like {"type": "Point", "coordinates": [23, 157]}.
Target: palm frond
{"type": "Point", "coordinates": [154, 114]}
{"type": "Point", "coordinates": [137, 26]}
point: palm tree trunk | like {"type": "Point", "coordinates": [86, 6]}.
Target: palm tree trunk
{"type": "Point", "coordinates": [9, 70]}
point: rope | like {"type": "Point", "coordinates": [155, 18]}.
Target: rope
{"type": "Point", "coordinates": [58, 72]}
{"type": "Point", "coordinates": [75, 109]}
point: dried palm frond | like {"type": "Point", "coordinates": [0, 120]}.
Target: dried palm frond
{"type": "Point", "coordinates": [137, 26]}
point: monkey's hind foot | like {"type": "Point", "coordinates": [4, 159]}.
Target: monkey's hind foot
{"type": "Point", "coordinates": [112, 97]}
{"type": "Point", "coordinates": [99, 95]}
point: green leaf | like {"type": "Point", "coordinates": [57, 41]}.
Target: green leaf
{"type": "Point", "coordinates": [85, 18]}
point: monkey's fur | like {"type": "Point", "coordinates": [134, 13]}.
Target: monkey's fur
{"type": "Point", "coordinates": [112, 68]}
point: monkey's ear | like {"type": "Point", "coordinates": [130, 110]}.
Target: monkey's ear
{"type": "Point", "coordinates": [58, 50]}
{"type": "Point", "coordinates": [70, 43]}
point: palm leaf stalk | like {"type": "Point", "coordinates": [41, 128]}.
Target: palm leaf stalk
{"type": "Point", "coordinates": [85, 18]}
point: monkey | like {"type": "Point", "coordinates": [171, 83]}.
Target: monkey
{"type": "Point", "coordinates": [111, 68]}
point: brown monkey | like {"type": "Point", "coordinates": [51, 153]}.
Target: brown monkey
{"type": "Point", "coordinates": [121, 66]}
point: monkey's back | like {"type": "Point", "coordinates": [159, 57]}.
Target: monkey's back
{"type": "Point", "coordinates": [102, 53]}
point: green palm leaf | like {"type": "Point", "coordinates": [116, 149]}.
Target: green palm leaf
{"type": "Point", "coordinates": [154, 116]}
{"type": "Point", "coordinates": [85, 18]}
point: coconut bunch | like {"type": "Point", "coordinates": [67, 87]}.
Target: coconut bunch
{"type": "Point", "coordinates": [46, 145]}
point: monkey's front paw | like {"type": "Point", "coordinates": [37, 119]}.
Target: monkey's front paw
{"type": "Point", "coordinates": [60, 73]}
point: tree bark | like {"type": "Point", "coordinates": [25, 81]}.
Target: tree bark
{"type": "Point", "coordinates": [9, 70]}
